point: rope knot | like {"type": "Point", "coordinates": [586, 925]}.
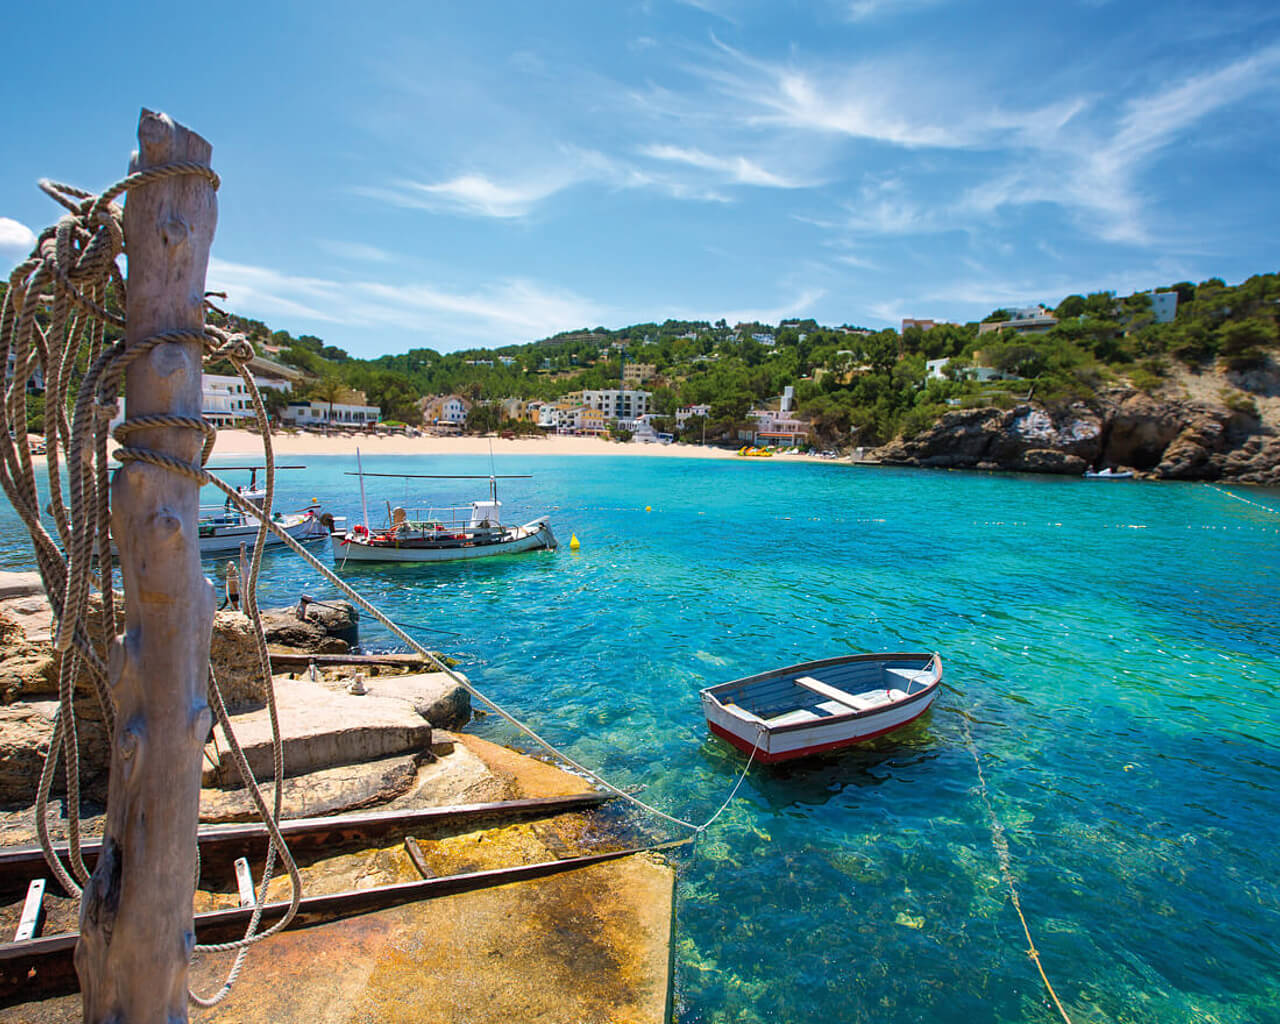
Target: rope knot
{"type": "Point", "coordinates": [237, 349]}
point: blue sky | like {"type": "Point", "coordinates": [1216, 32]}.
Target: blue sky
{"type": "Point", "coordinates": [424, 175]}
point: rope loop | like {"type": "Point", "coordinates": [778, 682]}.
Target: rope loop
{"type": "Point", "coordinates": [71, 269]}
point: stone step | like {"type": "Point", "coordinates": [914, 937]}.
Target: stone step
{"type": "Point", "coordinates": [319, 728]}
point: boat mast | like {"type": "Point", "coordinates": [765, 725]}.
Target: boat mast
{"type": "Point", "coordinates": [364, 506]}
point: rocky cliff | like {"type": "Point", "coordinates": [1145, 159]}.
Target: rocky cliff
{"type": "Point", "coordinates": [1212, 432]}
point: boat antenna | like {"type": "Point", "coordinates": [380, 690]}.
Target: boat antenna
{"type": "Point", "coordinates": [493, 475]}
{"type": "Point", "coordinates": [364, 505]}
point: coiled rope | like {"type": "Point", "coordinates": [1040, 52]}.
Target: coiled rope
{"type": "Point", "coordinates": [1001, 846]}
{"type": "Point", "coordinates": [69, 272]}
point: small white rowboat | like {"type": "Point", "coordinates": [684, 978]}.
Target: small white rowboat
{"type": "Point", "coordinates": [822, 705]}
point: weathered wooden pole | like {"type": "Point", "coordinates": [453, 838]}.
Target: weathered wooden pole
{"type": "Point", "coordinates": [136, 930]}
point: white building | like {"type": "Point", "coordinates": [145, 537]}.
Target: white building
{"type": "Point", "coordinates": [317, 412]}
{"type": "Point", "coordinates": [687, 413]}
{"type": "Point", "coordinates": [224, 399]}
{"type": "Point", "coordinates": [934, 369]}
{"type": "Point", "coordinates": [616, 404]}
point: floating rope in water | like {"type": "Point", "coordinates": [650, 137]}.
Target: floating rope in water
{"type": "Point", "coordinates": [1247, 501]}
{"type": "Point", "coordinates": [1001, 846]}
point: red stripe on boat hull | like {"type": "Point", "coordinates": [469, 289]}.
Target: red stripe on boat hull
{"type": "Point", "coordinates": [818, 748]}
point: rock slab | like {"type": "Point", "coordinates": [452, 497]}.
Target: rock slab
{"type": "Point", "coordinates": [319, 728]}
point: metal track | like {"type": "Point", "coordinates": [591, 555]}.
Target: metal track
{"type": "Point", "coordinates": [43, 966]}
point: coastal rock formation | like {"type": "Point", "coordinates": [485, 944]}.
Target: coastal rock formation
{"type": "Point", "coordinates": [1024, 438]}
{"type": "Point", "coordinates": [1159, 438]}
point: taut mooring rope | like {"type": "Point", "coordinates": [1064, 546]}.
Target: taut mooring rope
{"type": "Point", "coordinates": [70, 272]}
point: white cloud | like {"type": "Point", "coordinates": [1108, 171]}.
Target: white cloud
{"type": "Point", "coordinates": [885, 208]}
{"type": "Point", "coordinates": [472, 194]}
{"type": "Point", "coordinates": [899, 101]}
{"type": "Point", "coordinates": [478, 195]}
{"type": "Point", "coordinates": [1095, 169]}
{"type": "Point", "coordinates": [15, 238]}
{"type": "Point", "coordinates": [505, 312]}
{"type": "Point", "coordinates": [738, 170]}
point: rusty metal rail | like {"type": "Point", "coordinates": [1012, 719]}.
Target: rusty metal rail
{"type": "Point", "coordinates": [44, 966]}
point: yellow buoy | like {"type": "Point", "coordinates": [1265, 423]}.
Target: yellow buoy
{"type": "Point", "coordinates": [573, 542]}
{"type": "Point", "coordinates": [648, 508]}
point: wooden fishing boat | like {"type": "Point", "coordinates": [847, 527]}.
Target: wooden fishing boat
{"type": "Point", "coordinates": [822, 705]}
{"type": "Point", "coordinates": [440, 534]}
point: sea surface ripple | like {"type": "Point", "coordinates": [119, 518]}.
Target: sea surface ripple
{"type": "Point", "coordinates": [1111, 648]}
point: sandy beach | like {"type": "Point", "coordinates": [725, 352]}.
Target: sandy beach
{"type": "Point", "coordinates": [245, 444]}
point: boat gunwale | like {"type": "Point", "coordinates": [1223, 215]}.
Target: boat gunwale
{"type": "Point", "coordinates": [713, 692]}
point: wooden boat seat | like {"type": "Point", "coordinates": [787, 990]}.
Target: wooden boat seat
{"type": "Point", "coordinates": [856, 701]}
{"type": "Point", "coordinates": [823, 689]}
{"type": "Point", "coordinates": [792, 717]}
{"type": "Point", "coordinates": [909, 675]}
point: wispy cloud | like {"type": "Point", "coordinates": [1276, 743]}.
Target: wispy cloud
{"type": "Point", "coordinates": [884, 207]}
{"type": "Point", "coordinates": [503, 312]}
{"type": "Point", "coordinates": [899, 101]}
{"type": "Point", "coordinates": [481, 196]}
{"type": "Point", "coordinates": [1094, 169]}
{"type": "Point", "coordinates": [16, 239]}
{"type": "Point", "coordinates": [738, 170]}
{"type": "Point", "coordinates": [472, 194]}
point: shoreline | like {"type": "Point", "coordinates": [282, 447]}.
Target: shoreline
{"type": "Point", "coordinates": [245, 443]}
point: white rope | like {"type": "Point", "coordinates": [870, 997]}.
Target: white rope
{"type": "Point", "coordinates": [71, 269]}
{"type": "Point", "coordinates": [1247, 501]}
{"type": "Point", "coordinates": [76, 261]}
{"type": "Point", "coordinates": [357, 598]}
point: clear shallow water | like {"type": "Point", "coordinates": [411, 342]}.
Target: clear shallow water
{"type": "Point", "coordinates": [1112, 647]}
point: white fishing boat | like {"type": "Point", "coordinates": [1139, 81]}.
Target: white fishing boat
{"type": "Point", "coordinates": [1108, 474]}
{"type": "Point", "coordinates": [440, 534]}
{"type": "Point", "coordinates": [224, 528]}
{"type": "Point", "coordinates": [822, 705]}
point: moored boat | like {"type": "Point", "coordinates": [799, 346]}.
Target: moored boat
{"type": "Point", "coordinates": [1108, 474]}
{"type": "Point", "coordinates": [225, 528]}
{"type": "Point", "coordinates": [822, 705]}
{"type": "Point", "coordinates": [444, 534]}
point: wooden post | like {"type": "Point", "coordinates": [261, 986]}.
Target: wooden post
{"type": "Point", "coordinates": [136, 932]}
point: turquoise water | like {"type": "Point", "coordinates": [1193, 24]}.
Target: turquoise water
{"type": "Point", "coordinates": [1111, 648]}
